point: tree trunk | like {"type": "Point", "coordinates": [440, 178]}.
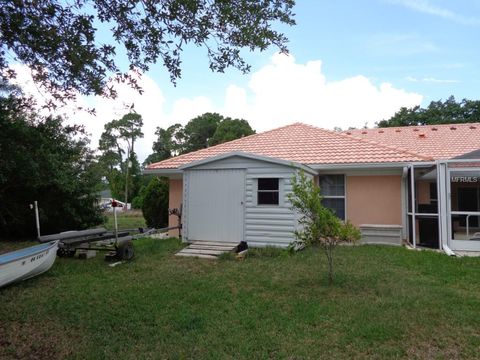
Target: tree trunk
{"type": "Point", "coordinates": [329, 253]}
{"type": "Point", "coordinates": [330, 266]}
{"type": "Point", "coordinates": [126, 187]}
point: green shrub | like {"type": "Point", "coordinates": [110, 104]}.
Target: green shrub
{"type": "Point", "coordinates": [155, 203]}
{"type": "Point", "coordinates": [137, 202]}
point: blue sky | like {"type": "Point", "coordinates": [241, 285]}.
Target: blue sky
{"type": "Point", "coordinates": [351, 63]}
{"type": "Point", "coordinates": [428, 47]}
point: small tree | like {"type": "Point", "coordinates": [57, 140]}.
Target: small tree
{"type": "Point", "coordinates": [319, 225]}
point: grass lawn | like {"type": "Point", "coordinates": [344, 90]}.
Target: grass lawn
{"type": "Point", "coordinates": [386, 303]}
{"type": "Point", "coordinates": [126, 220]}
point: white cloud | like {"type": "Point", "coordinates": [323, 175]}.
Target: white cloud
{"type": "Point", "coordinates": [285, 91]}
{"type": "Point", "coordinates": [279, 93]}
{"type": "Point", "coordinates": [150, 105]}
{"type": "Point", "coordinates": [185, 109]}
{"type": "Point", "coordinates": [426, 7]}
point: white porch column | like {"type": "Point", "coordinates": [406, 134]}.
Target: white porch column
{"type": "Point", "coordinates": [443, 191]}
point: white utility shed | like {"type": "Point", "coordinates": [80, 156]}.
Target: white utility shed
{"type": "Point", "coordinates": [239, 197]}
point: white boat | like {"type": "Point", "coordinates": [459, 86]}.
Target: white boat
{"type": "Point", "coordinates": [25, 263]}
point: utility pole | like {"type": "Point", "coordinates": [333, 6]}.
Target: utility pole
{"type": "Point", "coordinates": [129, 164]}
{"type": "Point", "coordinates": [34, 207]}
{"type": "Point", "coordinates": [126, 177]}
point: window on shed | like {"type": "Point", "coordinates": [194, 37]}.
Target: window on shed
{"type": "Point", "coordinates": [268, 191]}
{"type": "Point", "coordinates": [332, 189]}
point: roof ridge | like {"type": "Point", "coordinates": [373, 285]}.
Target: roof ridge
{"type": "Point", "coordinates": [413, 126]}
{"type": "Point", "coordinates": [228, 142]}
{"type": "Point", "coordinates": [405, 151]}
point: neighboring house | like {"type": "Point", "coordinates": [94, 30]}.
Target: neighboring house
{"type": "Point", "coordinates": [105, 201]}
{"type": "Point", "coordinates": [238, 190]}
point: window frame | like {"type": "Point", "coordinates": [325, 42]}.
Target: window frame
{"type": "Point", "coordinates": [278, 191]}
{"type": "Point", "coordinates": [344, 196]}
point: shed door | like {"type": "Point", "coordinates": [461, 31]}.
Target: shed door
{"type": "Point", "coordinates": [215, 205]}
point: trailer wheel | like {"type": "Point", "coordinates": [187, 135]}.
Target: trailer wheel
{"type": "Point", "coordinates": [125, 251]}
{"type": "Point", "coordinates": [62, 252]}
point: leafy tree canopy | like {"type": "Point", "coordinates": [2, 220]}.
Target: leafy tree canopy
{"type": "Point", "coordinates": [43, 160]}
{"type": "Point", "coordinates": [168, 143]}
{"type": "Point", "coordinates": [203, 131]}
{"type": "Point", "coordinates": [198, 131]}
{"type": "Point", "coordinates": [58, 39]}
{"type": "Point", "coordinates": [230, 129]}
{"type": "Point", "coordinates": [437, 112]}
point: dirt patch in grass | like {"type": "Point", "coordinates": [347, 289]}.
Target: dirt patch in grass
{"type": "Point", "coordinates": [36, 340]}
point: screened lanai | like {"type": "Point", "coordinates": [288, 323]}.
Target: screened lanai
{"type": "Point", "coordinates": [446, 199]}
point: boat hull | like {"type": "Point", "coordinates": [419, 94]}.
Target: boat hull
{"type": "Point", "coordinates": [26, 263]}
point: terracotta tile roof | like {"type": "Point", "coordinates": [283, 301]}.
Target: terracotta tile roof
{"type": "Point", "coordinates": [436, 141]}
{"type": "Point", "coordinates": [304, 144]}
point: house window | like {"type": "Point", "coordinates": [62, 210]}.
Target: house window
{"type": "Point", "coordinates": [268, 191]}
{"type": "Point", "coordinates": [332, 189]}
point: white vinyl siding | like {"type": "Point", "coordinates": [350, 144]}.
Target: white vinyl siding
{"type": "Point", "coordinates": [269, 225]}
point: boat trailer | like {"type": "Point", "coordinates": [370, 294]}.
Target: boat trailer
{"type": "Point", "coordinates": [117, 244]}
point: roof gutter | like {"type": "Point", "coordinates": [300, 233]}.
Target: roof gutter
{"type": "Point", "coordinates": [307, 167]}
{"type": "Point", "coordinates": [162, 172]}
{"type": "Point", "coordinates": [363, 166]}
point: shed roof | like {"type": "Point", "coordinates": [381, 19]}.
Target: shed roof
{"type": "Point", "coordinates": [247, 156]}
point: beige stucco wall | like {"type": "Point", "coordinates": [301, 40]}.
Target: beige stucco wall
{"type": "Point", "coordinates": [374, 200]}
{"type": "Point", "coordinates": [175, 196]}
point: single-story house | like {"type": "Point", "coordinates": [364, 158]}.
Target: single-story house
{"type": "Point", "coordinates": [416, 184]}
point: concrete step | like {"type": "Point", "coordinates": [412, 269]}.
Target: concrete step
{"type": "Point", "coordinates": [210, 247]}
{"type": "Point", "coordinates": [202, 256]}
{"type": "Point", "coordinates": [207, 249]}
{"type": "Point", "coordinates": [215, 243]}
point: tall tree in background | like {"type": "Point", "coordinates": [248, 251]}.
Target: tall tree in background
{"type": "Point", "coordinates": [118, 140]}
{"type": "Point", "coordinates": [202, 131]}
{"type": "Point", "coordinates": [199, 131]}
{"type": "Point", "coordinates": [230, 129]}
{"type": "Point", "coordinates": [437, 112]}
{"type": "Point", "coordinates": [168, 143]}
{"type": "Point", "coordinates": [57, 39]}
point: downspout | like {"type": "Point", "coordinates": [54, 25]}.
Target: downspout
{"type": "Point", "coordinates": [442, 208]}
{"type": "Point", "coordinates": [448, 251]}
{"type": "Point", "coordinates": [404, 194]}
{"type": "Point", "coordinates": [412, 192]}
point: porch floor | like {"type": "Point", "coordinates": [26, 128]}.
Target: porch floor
{"type": "Point", "coordinates": [207, 249]}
